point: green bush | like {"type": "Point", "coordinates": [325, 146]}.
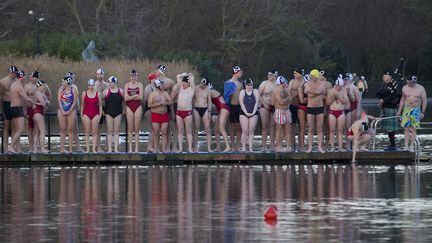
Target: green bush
{"type": "Point", "coordinates": [62, 45]}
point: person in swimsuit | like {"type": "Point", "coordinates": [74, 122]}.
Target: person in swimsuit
{"type": "Point", "coordinates": [101, 85]}
{"type": "Point", "coordinates": [67, 98]}
{"type": "Point", "coordinates": [223, 110]}
{"type": "Point", "coordinates": [266, 90]}
{"type": "Point", "coordinates": [38, 117]}
{"type": "Point", "coordinates": [232, 88]}
{"type": "Point", "coordinates": [168, 85]}
{"type": "Point", "coordinates": [30, 88]}
{"type": "Point", "coordinates": [91, 110]}
{"type": "Point", "coordinates": [282, 115]}
{"type": "Point", "coordinates": [5, 84]}
{"type": "Point", "coordinates": [326, 128]}
{"type": "Point", "coordinates": [294, 87]}
{"type": "Point", "coordinates": [133, 96]}
{"type": "Point", "coordinates": [184, 110]}
{"type": "Point", "coordinates": [114, 111]}
{"type": "Point", "coordinates": [360, 133]}
{"type": "Point", "coordinates": [159, 101]}
{"type": "Point", "coordinates": [362, 86]}
{"type": "Point", "coordinates": [76, 136]}
{"type": "Point", "coordinates": [299, 75]}
{"type": "Point", "coordinates": [249, 100]}
{"type": "Point", "coordinates": [150, 87]}
{"type": "Point", "coordinates": [412, 107]}
{"type": "Point", "coordinates": [336, 99]}
{"type": "Point", "coordinates": [354, 109]}
{"type": "Point", "coordinates": [315, 91]}
{"type": "Point", "coordinates": [202, 112]}
{"type": "Point", "coordinates": [18, 97]}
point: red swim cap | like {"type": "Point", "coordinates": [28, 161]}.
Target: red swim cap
{"type": "Point", "coordinates": [152, 76]}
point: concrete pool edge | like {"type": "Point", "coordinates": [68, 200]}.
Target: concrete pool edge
{"type": "Point", "coordinates": [57, 159]}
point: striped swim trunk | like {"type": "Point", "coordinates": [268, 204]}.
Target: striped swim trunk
{"type": "Point", "coordinates": [282, 116]}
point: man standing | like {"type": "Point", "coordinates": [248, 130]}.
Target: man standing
{"type": "Point", "coordinates": [388, 99]}
{"type": "Point", "coordinates": [100, 86]}
{"type": "Point", "coordinates": [232, 88]}
{"type": "Point", "coordinates": [413, 103]}
{"type": "Point", "coordinates": [159, 101]}
{"type": "Point", "coordinates": [282, 114]}
{"type": "Point", "coordinates": [18, 98]}
{"type": "Point", "coordinates": [30, 89]}
{"type": "Point", "coordinates": [266, 91]}
{"type": "Point", "coordinates": [315, 91]}
{"type": "Point", "coordinates": [5, 84]}
{"type": "Point", "coordinates": [202, 112]}
{"type": "Point", "coordinates": [184, 111]}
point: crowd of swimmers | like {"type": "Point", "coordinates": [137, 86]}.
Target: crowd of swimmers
{"type": "Point", "coordinates": [175, 109]}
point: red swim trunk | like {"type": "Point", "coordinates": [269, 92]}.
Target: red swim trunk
{"type": "Point", "coordinates": [159, 118]}
{"type": "Point", "coordinates": [353, 106]}
{"type": "Point", "coordinates": [30, 117]}
{"type": "Point", "coordinates": [184, 114]}
{"type": "Point", "coordinates": [336, 114]}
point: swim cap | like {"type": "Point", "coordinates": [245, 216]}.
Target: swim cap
{"type": "Point", "coordinates": [339, 81]}
{"type": "Point", "coordinates": [91, 82]}
{"type": "Point", "coordinates": [152, 76]}
{"type": "Point", "coordinates": [13, 69]}
{"type": "Point", "coordinates": [158, 83]}
{"type": "Point", "coordinates": [68, 79]}
{"type": "Point", "coordinates": [100, 71]}
{"type": "Point", "coordinates": [364, 126]}
{"type": "Point", "coordinates": [412, 79]}
{"type": "Point", "coordinates": [70, 74]}
{"type": "Point", "coordinates": [210, 86]}
{"type": "Point", "coordinates": [35, 74]}
{"type": "Point", "coordinates": [348, 76]}
{"type": "Point", "coordinates": [281, 80]}
{"type": "Point", "coordinates": [161, 68]}
{"type": "Point", "coordinates": [274, 73]}
{"type": "Point", "coordinates": [186, 79]}
{"type": "Point", "coordinates": [299, 71]}
{"type": "Point", "coordinates": [204, 81]}
{"type": "Point", "coordinates": [40, 83]}
{"type": "Point", "coordinates": [306, 78]}
{"type": "Point", "coordinates": [315, 73]}
{"type": "Point", "coordinates": [248, 81]}
{"type": "Point", "coordinates": [236, 69]}
{"type": "Point", "coordinates": [20, 74]}
{"type": "Point", "coordinates": [133, 72]}
{"type": "Point", "coordinates": [322, 73]}
{"type": "Point", "coordinates": [113, 79]}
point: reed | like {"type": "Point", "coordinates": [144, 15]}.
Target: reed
{"type": "Point", "coordinates": [53, 69]}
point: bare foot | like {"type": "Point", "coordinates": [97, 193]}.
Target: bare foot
{"type": "Point", "coordinates": [364, 149]}
{"type": "Point", "coordinates": [80, 150]}
{"type": "Point", "coordinates": [44, 151]}
{"type": "Point", "coordinates": [412, 150]}
{"type": "Point", "coordinates": [309, 150]}
{"type": "Point", "coordinates": [94, 151]}
{"type": "Point", "coordinates": [321, 150]}
{"type": "Point", "coordinates": [210, 150]}
{"type": "Point", "coordinates": [116, 151]}
{"type": "Point", "coordinates": [218, 149]}
{"type": "Point", "coordinates": [227, 150]}
{"type": "Point", "coordinates": [332, 149]}
{"type": "Point", "coordinates": [67, 152]}
{"type": "Point", "coordinates": [406, 149]}
{"type": "Point", "coordinates": [342, 150]}
{"type": "Point", "coordinates": [243, 150]}
{"type": "Point", "coordinates": [11, 150]}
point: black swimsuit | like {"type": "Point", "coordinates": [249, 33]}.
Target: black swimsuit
{"type": "Point", "coordinates": [201, 110]}
{"type": "Point", "coordinates": [16, 111]}
{"type": "Point", "coordinates": [7, 110]}
{"type": "Point", "coordinates": [113, 103]}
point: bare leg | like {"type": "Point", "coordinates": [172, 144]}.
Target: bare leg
{"type": "Point", "coordinates": [311, 130]}
{"type": "Point", "coordinates": [6, 127]}
{"type": "Point", "coordinates": [164, 132]}
{"type": "Point", "coordinates": [19, 125]}
{"type": "Point", "coordinates": [279, 137]}
{"type": "Point", "coordinates": [40, 127]}
{"type": "Point", "coordinates": [188, 124]}
{"type": "Point", "coordinates": [117, 122]}
{"type": "Point", "coordinates": [155, 137]}
{"type": "Point", "coordinates": [331, 134]}
{"type": "Point", "coordinates": [319, 127]}
{"type": "Point", "coordinates": [149, 126]}
{"type": "Point", "coordinates": [130, 128]}
{"type": "Point", "coordinates": [109, 132]}
{"type": "Point", "coordinates": [244, 123]}
{"type": "Point", "coordinates": [87, 127]}
{"type": "Point", "coordinates": [287, 132]}
{"type": "Point", "coordinates": [252, 124]}
{"type": "Point", "coordinates": [265, 116]}
{"type": "Point", "coordinates": [206, 120]}
{"type": "Point", "coordinates": [63, 127]}
{"type": "Point", "coordinates": [71, 123]}
{"type": "Point", "coordinates": [407, 138]}
{"type": "Point", "coordinates": [196, 125]}
{"type": "Point", "coordinates": [180, 129]}
{"type": "Point", "coordinates": [95, 133]}
{"type": "Point", "coordinates": [272, 132]}
{"type": "Point", "coordinates": [217, 134]}
{"type": "Point", "coordinates": [413, 137]}
{"type": "Point", "coordinates": [76, 137]}
{"type": "Point", "coordinates": [222, 121]}
{"type": "Point", "coordinates": [340, 130]}
{"type": "Point", "coordinates": [238, 135]}
{"type": "Point", "coordinates": [302, 128]}
{"type": "Point", "coordinates": [137, 123]}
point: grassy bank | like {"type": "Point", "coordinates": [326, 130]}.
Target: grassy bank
{"type": "Point", "coordinates": [53, 69]}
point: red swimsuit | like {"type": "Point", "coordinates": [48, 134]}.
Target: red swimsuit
{"type": "Point", "coordinates": [133, 104]}
{"type": "Point", "coordinates": [38, 109]}
{"type": "Point", "coordinates": [336, 114]}
{"type": "Point", "coordinates": [91, 108]}
{"type": "Point", "coordinates": [219, 105]}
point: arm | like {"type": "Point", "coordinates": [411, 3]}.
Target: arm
{"type": "Point", "coordinates": [59, 101]}
{"type": "Point", "coordinates": [424, 103]}
{"type": "Point", "coordinates": [358, 99]}
{"type": "Point", "coordinates": [76, 97]}
{"type": "Point", "coordinates": [23, 94]}
{"type": "Point", "coordinates": [256, 93]}
{"type": "Point", "coordinates": [48, 92]}
{"type": "Point", "coordinates": [100, 104]}
{"type": "Point", "coordinates": [344, 99]}
{"type": "Point", "coordinates": [261, 91]}
{"type": "Point", "coordinates": [127, 97]}
{"type": "Point", "coordinates": [302, 98]}
{"type": "Point", "coordinates": [241, 97]}
{"type": "Point", "coordinates": [355, 141]}
{"type": "Point", "coordinates": [401, 102]}
{"type": "Point", "coordinates": [329, 98]}
{"type": "Point", "coordinates": [168, 99]}
{"type": "Point", "coordinates": [139, 96]}
{"type": "Point", "coordinates": [82, 103]}
{"type": "Point", "coordinates": [209, 103]}
{"type": "Point", "coordinates": [175, 92]}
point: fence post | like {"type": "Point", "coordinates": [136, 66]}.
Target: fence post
{"type": "Point", "coordinates": [126, 134]}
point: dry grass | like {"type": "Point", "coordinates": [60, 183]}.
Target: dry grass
{"type": "Point", "coordinates": [53, 69]}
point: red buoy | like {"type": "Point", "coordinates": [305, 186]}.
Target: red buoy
{"type": "Point", "coordinates": [271, 212]}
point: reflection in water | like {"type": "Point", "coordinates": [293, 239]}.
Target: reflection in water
{"type": "Point", "coordinates": [215, 203]}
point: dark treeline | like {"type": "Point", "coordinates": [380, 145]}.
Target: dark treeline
{"type": "Point", "coordinates": [361, 36]}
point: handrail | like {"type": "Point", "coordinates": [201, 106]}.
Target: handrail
{"type": "Point", "coordinates": [374, 125]}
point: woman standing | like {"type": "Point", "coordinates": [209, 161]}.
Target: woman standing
{"type": "Point", "coordinates": [67, 98]}
{"type": "Point", "coordinates": [224, 112]}
{"type": "Point", "coordinates": [91, 110]}
{"type": "Point", "coordinates": [38, 117]}
{"type": "Point", "coordinates": [114, 108]}
{"type": "Point", "coordinates": [249, 99]}
{"type": "Point", "coordinates": [133, 96]}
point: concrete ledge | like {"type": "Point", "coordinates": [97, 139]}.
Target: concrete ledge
{"type": "Point", "coordinates": [57, 159]}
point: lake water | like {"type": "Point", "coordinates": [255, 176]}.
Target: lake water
{"type": "Point", "coordinates": [332, 203]}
